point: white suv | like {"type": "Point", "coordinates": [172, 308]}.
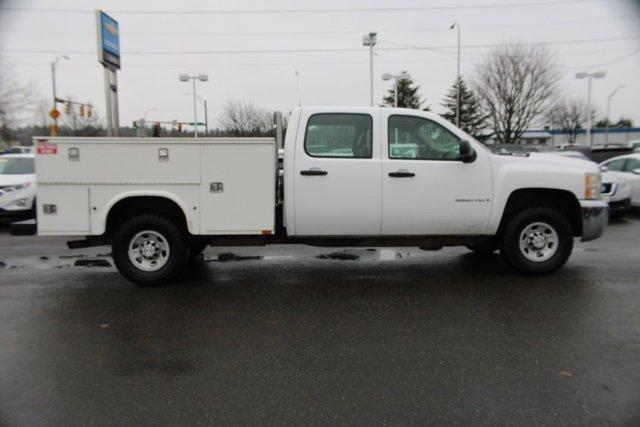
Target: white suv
{"type": "Point", "coordinates": [17, 185]}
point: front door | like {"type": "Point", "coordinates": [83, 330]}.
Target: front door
{"type": "Point", "coordinates": [632, 167]}
{"type": "Point", "coordinates": [426, 188]}
{"type": "Point", "coordinates": [337, 175]}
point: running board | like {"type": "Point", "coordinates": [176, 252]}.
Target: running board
{"type": "Point", "coordinates": [89, 242]}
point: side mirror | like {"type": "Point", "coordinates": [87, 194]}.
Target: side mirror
{"type": "Point", "coordinates": [467, 153]}
{"type": "Point", "coordinates": [636, 171]}
{"type": "Point", "coordinates": [603, 168]}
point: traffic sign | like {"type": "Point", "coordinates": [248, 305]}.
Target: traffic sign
{"type": "Point", "coordinates": [54, 114]}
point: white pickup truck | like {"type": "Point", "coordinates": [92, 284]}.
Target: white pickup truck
{"type": "Point", "coordinates": [351, 177]}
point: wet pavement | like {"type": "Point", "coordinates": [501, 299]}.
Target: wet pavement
{"type": "Point", "coordinates": [291, 334]}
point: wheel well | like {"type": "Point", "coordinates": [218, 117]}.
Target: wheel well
{"type": "Point", "coordinates": [563, 201]}
{"type": "Point", "coordinates": [136, 205]}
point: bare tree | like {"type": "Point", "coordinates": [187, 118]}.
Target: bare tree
{"type": "Point", "coordinates": [567, 115]}
{"type": "Point", "coordinates": [15, 99]}
{"type": "Point", "coordinates": [244, 118]}
{"type": "Point", "coordinates": [515, 83]}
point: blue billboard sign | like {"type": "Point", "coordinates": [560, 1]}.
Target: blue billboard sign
{"type": "Point", "coordinates": [108, 40]}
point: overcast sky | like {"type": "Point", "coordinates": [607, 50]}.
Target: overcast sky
{"type": "Point", "coordinates": [590, 35]}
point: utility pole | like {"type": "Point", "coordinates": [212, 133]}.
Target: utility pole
{"type": "Point", "coordinates": [370, 40]}
{"type": "Point", "coordinates": [455, 24]}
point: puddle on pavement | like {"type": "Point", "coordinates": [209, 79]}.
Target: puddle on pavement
{"type": "Point", "coordinates": [104, 260]}
{"type": "Point", "coordinates": [62, 261]}
{"type": "Point", "coordinates": [96, 262]}
{"type": "Point", "coordinates": [365, 255]}
{"type": "Point", "coordinates": [229, 256]}
{"type": "Point", "coordinates": [342, 256]}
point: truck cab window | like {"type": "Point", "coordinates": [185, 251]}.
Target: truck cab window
{"type": "Point", "coordinates": [413, 137]}
{"type": "Point", "coordinates": [339, 135]}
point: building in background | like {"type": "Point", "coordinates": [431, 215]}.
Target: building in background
{"type": "Point", "coordinates": [558, 137]}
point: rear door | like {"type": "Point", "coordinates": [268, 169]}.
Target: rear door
{"type": "Point", "coordinates": [337, 174]}
{"type": "Point", "coordinates": [426, 188]}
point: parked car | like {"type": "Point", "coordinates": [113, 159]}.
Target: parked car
{"type": "Point", "coordinates": [628, 167]}
{"type": "Point", "coordinates": [634, 145]}
{"type": "Point", "coordinates": [616, 189]}
{"type": "Point", "coordinates": [17, 186]}
{"type": "Point", "coordinates": [572, 154]}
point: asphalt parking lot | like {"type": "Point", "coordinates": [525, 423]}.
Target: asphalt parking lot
{"type": "Point", "coordinates": [280, 335]}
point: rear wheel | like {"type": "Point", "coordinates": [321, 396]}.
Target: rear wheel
{"type": "Point", "coordinates": [537, 241]}
{"type": "Point", "coordinates": [150, 250]}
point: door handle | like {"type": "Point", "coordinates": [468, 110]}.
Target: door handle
{"type": "Point", "coordinates": [313, 172]}
{"type": "Point", "coordinates": [401, 174]}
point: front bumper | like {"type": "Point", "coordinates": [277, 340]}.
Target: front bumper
{"type": "Point", "coordinates": [595, 217]}
{"type": "Point", "coordinates": [16, 213]}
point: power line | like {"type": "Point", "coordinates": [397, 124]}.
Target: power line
{"type": "Point", "coordinates": [313, 50]}
{"type": "Point", "coordinates": [319, 10]}
{"type": "Point", "coordinates": [297, 63]}
{"type": "Point", "coordinates": [321, 32]}
{"type": "Point", "coordinates": [602, 64]}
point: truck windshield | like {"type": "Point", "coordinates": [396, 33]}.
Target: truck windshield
{"type": "Point", "coordinates": [16, 165]}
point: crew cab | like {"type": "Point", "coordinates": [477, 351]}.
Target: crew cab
{"type": "Point", "coordinates": [351, 177]}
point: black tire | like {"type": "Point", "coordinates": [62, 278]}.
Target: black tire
{"type": "Point", "coordinates": [510, 241]}
{"type": "Point", "coordinates": [175, 238]}
{"type": "Point", "coordinates": [483, 249]}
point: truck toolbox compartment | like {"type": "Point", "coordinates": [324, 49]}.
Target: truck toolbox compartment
{"type": "Point", "coordinates": [221, 185]}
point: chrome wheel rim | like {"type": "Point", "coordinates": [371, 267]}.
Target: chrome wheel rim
{"type": "Point", "coordinates": [149, 250]}
{"type": "Point", "coordinates": [538, 242]}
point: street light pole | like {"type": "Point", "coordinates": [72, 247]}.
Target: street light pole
{"type": "Point", "coordinates": [606, 137]}
{"type": "Point", "coordinates": [195, 110]}
{"type": "Point", "coordinates": [193, 78]}
{"type": "Point", "coordinates": [53, 81]}
{"type": "Point", "coordinates": [395, 92]}
{"type": "Point", "coordinates": [144, 118]}
{"type": "Point", "coordinates": [455, 24]}
{"type": "Point", "coordinates": [395, 78]}
{"type": "Point", "coordinates": [370, 40]}
{"type": "Point", "coordinates": [298, 87]}
{"type": "Point", "coordinates": [206, 119]}
{"type": "Point", "coordinates": [589, 77]}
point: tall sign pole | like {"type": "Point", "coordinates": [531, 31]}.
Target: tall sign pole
{"type": "Point", "coordinates": [109, 56]}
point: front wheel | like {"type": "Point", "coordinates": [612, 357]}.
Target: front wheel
{"type": "Point", "coordinates": [150, 250]}
{"type": "Point", "coordinates": [537, 241]}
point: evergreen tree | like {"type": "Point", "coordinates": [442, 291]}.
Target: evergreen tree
{"type": "Point", "coordinates": [472, 119]}
{"type": "Point", "coordinates": [408, 95]}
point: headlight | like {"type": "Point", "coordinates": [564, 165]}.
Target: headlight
{"type": "Point", "coordinates": [592, 186]}
{"type": "Point", "coordinates": [9, 188]}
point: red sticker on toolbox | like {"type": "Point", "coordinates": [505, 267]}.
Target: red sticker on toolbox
{"type": "Point", "coordinates": [46, 147]}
